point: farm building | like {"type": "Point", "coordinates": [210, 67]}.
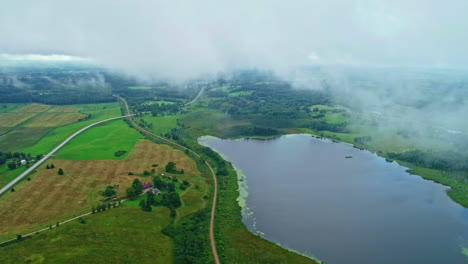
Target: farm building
{"type": "Point", "coordinates": [23, 162]}
{"type": "Point", "coordinates": [156, 191]}
{"type": "Point", "coordinates": [147, 185]}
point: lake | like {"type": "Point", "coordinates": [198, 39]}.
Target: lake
{"type": "Point", "coordinates": [304, 194]}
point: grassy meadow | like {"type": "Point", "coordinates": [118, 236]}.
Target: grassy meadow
{"type": "Point", "coordinates": [101, 142]}
{"type": "Point", "coordinates": [120, 235]}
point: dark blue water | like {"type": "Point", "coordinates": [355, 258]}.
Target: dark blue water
{"type": "Point", "coordinates": [305, 195]}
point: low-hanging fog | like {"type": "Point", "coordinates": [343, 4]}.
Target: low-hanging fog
{"type": "Point", "coordinates": [381, 56]}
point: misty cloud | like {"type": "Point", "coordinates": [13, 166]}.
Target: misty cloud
{"type": "Point", "coordinates": [183, 39]}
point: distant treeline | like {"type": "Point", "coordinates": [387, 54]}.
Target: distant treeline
{"type": "Point", "coordinates": [54, 86]}
{"type": "Point", "coordinates": [57, 97]}
{"type": "Point", "coordinates": [321, 125]}
{"type": "Point", "coordinates": [253, 131]}
{"type": "Point", "coordinates": [445, 161]}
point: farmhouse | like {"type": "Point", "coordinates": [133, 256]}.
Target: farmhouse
{"type": "Point", "coordinates": [147, 185]}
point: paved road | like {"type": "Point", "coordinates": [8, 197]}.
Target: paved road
{"type": "Point", "coordinates": [196, 98]}
{"type": "Point", "coordinates": [215, 181]}
{"type": "Point", "coordinates": [22, 175]}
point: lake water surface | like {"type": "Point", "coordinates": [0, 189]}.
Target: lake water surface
{"type": "Point", "coordinates": [305, 195]}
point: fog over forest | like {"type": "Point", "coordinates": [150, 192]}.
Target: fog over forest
{"type": "Point", "coordinates": [403, 61]}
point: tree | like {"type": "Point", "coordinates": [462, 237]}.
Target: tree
{"type": "Point", "coordinates": [109, 191]}
{"type": "Point", "coordinates": [60, 171]}
{"type": "Point", "coordinates": [47, 167]}
{"type": "Point", "coordinates": [52, 166]}
{"type": "Point", "coordinates": [137, 186]}
{"type": "Point", "coordinates": [12, 165]}
{"type": "Point", "coordinates": [150, 198]}
{"type": "Point", "coordinates": [12, 190]}
{"type": "Point", "coordinates": [145, 206]}
{"type": "Point", "coordinates": [158, 183]}
{"type": "Point", "coordinates": [19, 237]}
{"type": "Point", "coordinates": [131, 193]}
{"type": "Point", "coordinates": [170, 167]}
{"type": "Point", "coordinates": [171, 200]}
{"type": "Point", "coordinates": [171, 187]}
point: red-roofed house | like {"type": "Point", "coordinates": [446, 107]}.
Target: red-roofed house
{"type": "Point", "coordinates": [147, 185]}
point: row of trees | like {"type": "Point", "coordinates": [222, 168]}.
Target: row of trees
{"type": "Point", "coordinates": [445, 161]}
{"type": "Point", "coordinates": [104, 207]}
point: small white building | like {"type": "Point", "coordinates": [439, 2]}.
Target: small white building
{"type": "Point", "coordinates": [23, 162]}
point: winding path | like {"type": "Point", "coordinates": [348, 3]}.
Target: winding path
{"type": "Point", "coordinates": [35, 165]}
{"type": "Point", "coordinates": [215, 181]}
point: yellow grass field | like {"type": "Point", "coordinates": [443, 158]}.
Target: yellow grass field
{"type": "Point", "coordinates": [64, 110]}
{"type": "Point", "coordinates": [54, 119]}
{"type": "Point", "coordinates": [49, 196]}
{"type": "Point", "coordinates": [33, 108]}
{"type": "Point", "coordinates": [14, 118]}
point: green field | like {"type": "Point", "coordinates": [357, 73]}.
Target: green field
{"type": "Point", "coordinates": [101, 142]}
{"type": "Point", "coordinates": [6, 175]}
{"type": "Point", "coordinates": [140, 87]}
{"type": "Point", "coordinates": [5, 108]}
{"type": "Point", "coordinates": [59, 134]}
{"type": "Point", "coordinates": [162, 124]}
{"type": "Point", "coordinates": [120, 235]}
{"type": "Point", "coordinates": [240, 93]}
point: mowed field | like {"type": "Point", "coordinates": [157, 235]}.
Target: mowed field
{"type": "Point", "coordinates": [28, 124]}
{"type": "Point", "coordinates": [49, 197]}
{"type": "Point", "coordinates": [45, 130]}
{"type": "Point", "coordinates": [121, 235]}
{"type": "Point", "coordinates": [101, 142]}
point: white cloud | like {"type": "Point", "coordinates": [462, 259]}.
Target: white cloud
{"type": "Point", "coordinates": [182, 39]}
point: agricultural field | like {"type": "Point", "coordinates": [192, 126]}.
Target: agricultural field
{"type": "Point", "coordinates": [33, 108]}
{"type": "Point", "coordinates": [40, 134]}
{"type": "Point", "coordinates": [5, 108]}
{"type": "Point", "coordinates": [55, 119]}
{"type": "Point", "coordinates": [55, 136]}
{"type": "Point", "coordinates": [12, 119]}
{"type": "Point", "coordinates": [79, 188]}
{"type": "Point", "coordinates": [120, 235]}
{"type": "Point", "coordinates": [101, 142]}
{"type": "Point", "coordinates": [28, 124]}
{"type": "Point", "coordinates": [6, 175]}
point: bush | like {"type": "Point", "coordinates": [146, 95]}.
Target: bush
{"type": "Point", "coordinates": [120, 153]}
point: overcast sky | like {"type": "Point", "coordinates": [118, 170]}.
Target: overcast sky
{"type": "Point", "coordinates": [186, 38]}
